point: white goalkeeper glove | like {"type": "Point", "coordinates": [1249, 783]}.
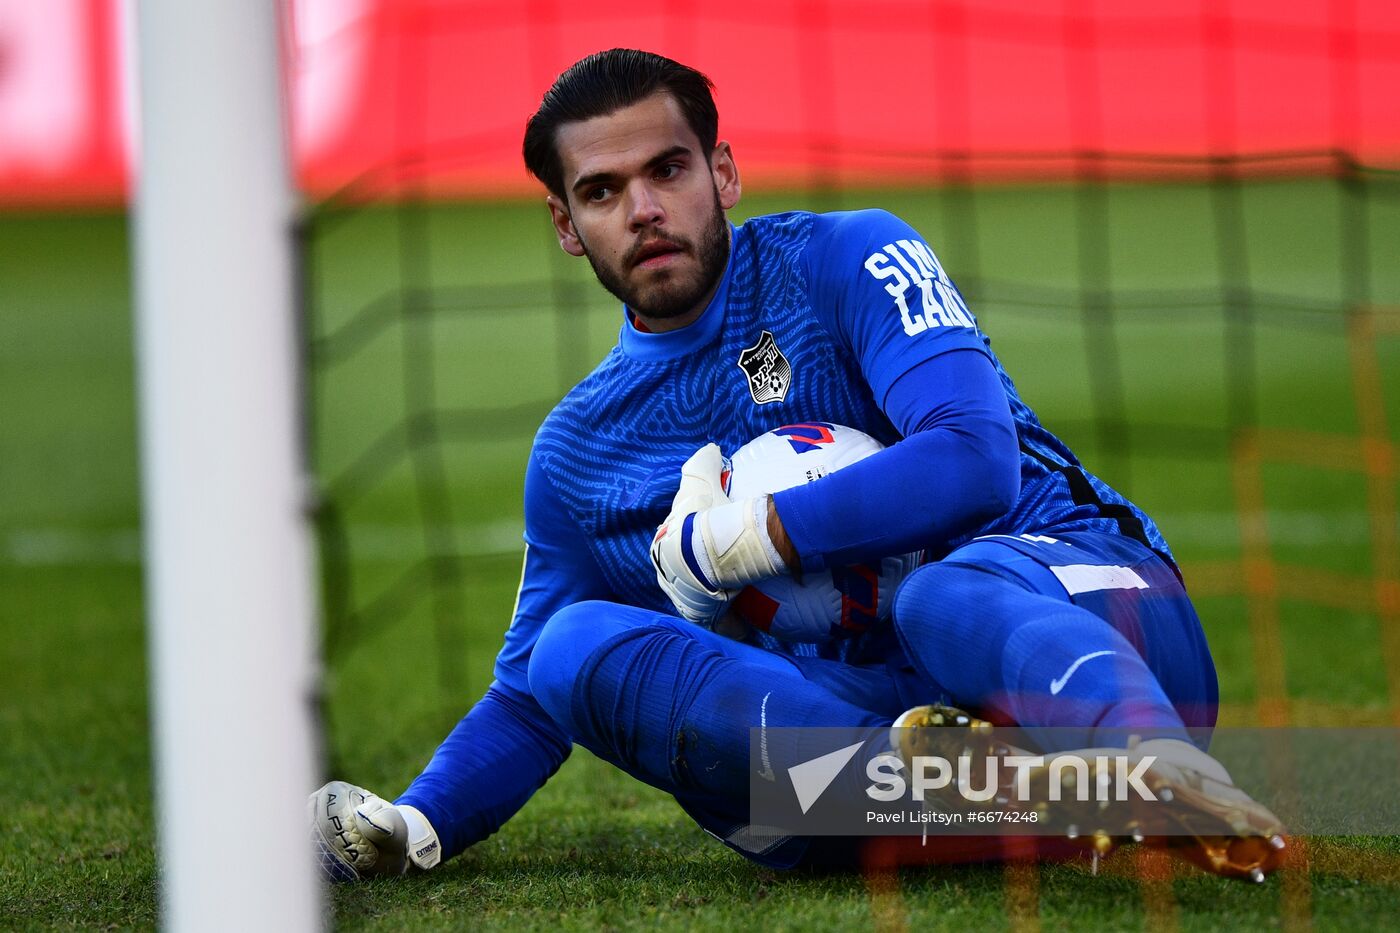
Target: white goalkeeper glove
{"type": "Point", "coordinates": [360, 835]}
{"type": "Point", "coordinates": [709, 548]}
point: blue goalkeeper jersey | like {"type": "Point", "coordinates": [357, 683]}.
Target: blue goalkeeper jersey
{"type": "Point", "coordinates": [816, 318]}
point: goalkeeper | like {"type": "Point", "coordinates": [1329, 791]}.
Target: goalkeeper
{"type": "Point", "coordinates": [1049, 599]}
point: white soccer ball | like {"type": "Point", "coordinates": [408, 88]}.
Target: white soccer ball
{"type": "Point", "coordinates": [838, 603]}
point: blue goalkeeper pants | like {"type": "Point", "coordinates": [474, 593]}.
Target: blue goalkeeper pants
{"type": "Point", "coordinates": [1086, 631]}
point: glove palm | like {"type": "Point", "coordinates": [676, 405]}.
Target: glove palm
{"type": "Point", "coordinates": [359, 835]}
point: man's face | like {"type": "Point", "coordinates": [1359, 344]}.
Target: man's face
{"type": "Point", "coordinates": [647, 207]}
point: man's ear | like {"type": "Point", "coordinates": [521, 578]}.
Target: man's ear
{"type": "Point", "coordinates": [569, 240]}
{"type": "Point", "coordinates": [726, 174]}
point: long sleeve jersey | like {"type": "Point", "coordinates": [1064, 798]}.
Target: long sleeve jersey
{"type": "Point", "coordinates": [843, 317]}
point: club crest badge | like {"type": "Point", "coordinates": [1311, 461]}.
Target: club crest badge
{"type": "Point", "coordinates": [768, 371]}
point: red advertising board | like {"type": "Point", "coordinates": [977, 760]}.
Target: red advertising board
{"type": "Point", "coordinates": [434, 94]}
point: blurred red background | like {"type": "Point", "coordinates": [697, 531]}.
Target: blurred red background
{"type": "Point", "coordinates": [416, 93]}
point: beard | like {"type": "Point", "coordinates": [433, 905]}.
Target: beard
{"type": "Point", "coordinates": [674, 294]}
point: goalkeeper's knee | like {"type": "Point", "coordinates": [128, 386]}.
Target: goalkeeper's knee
{"type": "Point", "coordinates": [358, 834]}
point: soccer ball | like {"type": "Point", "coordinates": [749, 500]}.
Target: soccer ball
{"type": "Point", "coordinates": [838, 603]}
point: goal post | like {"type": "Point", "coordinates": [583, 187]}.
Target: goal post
{"type": "Point", "coordinates": [229, 567]}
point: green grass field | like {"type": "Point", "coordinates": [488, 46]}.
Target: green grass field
{"type": "Point", "coordinates": [492, 351]}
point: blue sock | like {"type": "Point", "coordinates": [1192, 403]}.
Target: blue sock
{"type": "Point", "coordinates": [1028, 658]}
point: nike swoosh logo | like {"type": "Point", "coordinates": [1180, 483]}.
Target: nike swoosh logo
{"type": "Point", "coordinates": [1057, 685]}
{"type": "Point", "coordinates": [634, 492]}
{"type": "Point", "coordinates": [767, 772]}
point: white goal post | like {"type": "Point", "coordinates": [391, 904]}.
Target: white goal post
{"type": "Point", "coordinates": [229, 567]}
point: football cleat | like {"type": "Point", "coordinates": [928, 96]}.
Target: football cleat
{"type": "Point", "coordinates": [919, 732]}
{"type": "Point", "coordinates": [947, 732]}
{"type": "Point", "coordinates": [1198, 813]}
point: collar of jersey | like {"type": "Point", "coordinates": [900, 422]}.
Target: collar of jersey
{"type": "Point", "coordinates": [673, 344]}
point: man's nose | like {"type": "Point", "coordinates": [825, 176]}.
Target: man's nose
{"type": "Point", "coordinates": [644, 210]}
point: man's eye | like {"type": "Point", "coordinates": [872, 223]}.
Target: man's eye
{"type": "Point", "coordinates": [669, 170]}
{"type": "Point", "coordinates": [598, 194]}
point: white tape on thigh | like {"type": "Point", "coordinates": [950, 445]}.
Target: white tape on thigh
{"type": "Point", "coordinates": [1089, 578]}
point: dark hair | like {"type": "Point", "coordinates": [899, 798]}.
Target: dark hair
{"type": "Point", "coordinates": [605, 82]}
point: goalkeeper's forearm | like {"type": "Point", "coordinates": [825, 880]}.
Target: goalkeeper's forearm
{"type": "Point", "coordinates": [500, 753]}
{"type": "Point", "coordinates": [953, 413]}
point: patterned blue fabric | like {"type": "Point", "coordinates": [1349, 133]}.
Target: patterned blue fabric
{"type": "Point", "coordinates": [608, 457]}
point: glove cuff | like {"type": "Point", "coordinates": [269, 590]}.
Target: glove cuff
{"type": "Point", "coordinates": [736, 548]}
{"type": "Point", "coordinates": [424, 850]}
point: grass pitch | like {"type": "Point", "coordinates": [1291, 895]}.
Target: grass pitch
{"type": "Point", "coordinates": [595, 848]}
